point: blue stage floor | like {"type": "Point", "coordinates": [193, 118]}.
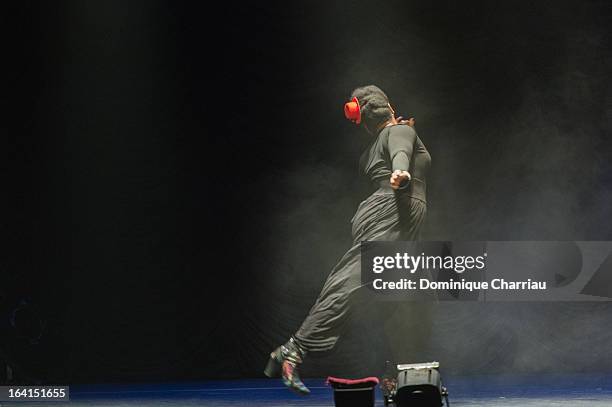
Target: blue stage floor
{"type": "Point", "coordinates": [570, 391]}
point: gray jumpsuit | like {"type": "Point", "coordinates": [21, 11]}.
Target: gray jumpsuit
{"type": "Point", "coordinates": [385, 215]}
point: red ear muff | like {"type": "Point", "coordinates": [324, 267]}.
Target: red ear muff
{"type": "Point", "coordinates": [352, 111]}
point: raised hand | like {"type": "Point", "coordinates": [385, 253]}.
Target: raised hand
{"type": "Point", "coordinates": [409, 122]}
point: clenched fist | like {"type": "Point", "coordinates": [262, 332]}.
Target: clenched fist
{"type": "Point", "coordinates": [398, 178]}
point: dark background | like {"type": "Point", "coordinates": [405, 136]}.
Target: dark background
{"type": "Point", "coordinates": [179, 178]}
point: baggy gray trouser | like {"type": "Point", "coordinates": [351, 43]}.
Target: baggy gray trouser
{"type": "Point", "coordinates": [384, 215]}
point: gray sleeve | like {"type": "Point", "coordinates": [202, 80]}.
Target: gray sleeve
{"type": "Point", "coordinates": [401, 145]}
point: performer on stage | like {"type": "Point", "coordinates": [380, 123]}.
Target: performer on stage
{"type": "Point", "coordinates": [397, 163]}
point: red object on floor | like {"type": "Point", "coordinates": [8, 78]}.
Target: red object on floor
{"type": "Point", "coordinates": [356, 383]}
{"type": "Point", "coordinates": [354, 392]}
